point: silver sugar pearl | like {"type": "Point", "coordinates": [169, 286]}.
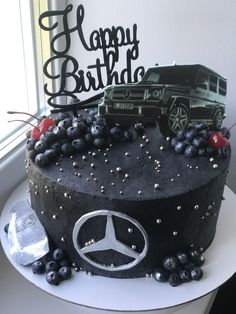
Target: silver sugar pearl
{"type": "Point", "coordinates": [111, 171]}
{"type": "Point", "coordinates": [75, 164]}
{"type": "Point", "coordinates": [118, 169]}
{"type": "Point", "coordinates": [127, 154]}
{"type": "Point", "coordinates": [54, 217]}
{"type": "Point", "coordinates": [212, 159]}
{"type": "Point", "coordinates": [156, 186]}
{"type": "Point", "coordinates": [161, 148]}
{"type": "Point", "coordinates": [112, 183]}
{"type": "Point", "coordinates": [215, 166]}
{"type": "Point", "coordinates": [175, 233]}
{"type": "Point", "coordinates": [158, 221]}
{"type": "Point", "coordinates": [130, 230]}
{"type": "Point", "coordinates": [139, 192]}
{"type": "Point", "coordinates": [141, 145]}
{"type": "Point", "coordinates": [179, 207]}
{"type": "Point", "coordinates": [59, 180]}
{"type": "Point", "coordinates": [133, 247]}
{"type": "Point", "coordinates": [126, 175]}
{"type": "Point", "coordinates": [94, 154]}
{"type": "Point", "coordinates": [92, 165]}
{"type": "Point", "coordinates": [172, 179]}
{"type": "Point", "coordinates": [42, 212]}
{"type": "Point", "coordinates": [196, 207]}
{"type": "Point", "coordinates": [63, 239]}
{"type": "Point", "coordinates": [61, 207]}
{"type": "Point", "coordinates": [121, 193]}
{"type": "Point", "coordinates": [84, 157]}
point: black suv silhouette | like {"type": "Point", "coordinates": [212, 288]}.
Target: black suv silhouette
{"type": "Point", "coordinates": [173, 95]}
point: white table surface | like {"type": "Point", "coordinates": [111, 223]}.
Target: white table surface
{"type": "Point", "coordinates": [143, 294]}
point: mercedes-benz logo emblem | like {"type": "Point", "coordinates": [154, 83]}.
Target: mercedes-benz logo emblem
{"type": "Point", "coordinates": [127, 94]}
{"type": "Point", "coordinates": [110, 241]}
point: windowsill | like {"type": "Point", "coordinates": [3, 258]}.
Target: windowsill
{"type": "Point", "coordinates": [12, 171]}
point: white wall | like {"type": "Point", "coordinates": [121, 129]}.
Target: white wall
{"type": "Point", "coordinates": [184, 31]}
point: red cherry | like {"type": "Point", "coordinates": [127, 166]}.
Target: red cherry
{"type": "Point", "coordinates": [217, 140]}
{"type": "Point", "coordinates": [38, 130]}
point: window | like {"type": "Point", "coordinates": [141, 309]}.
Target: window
{"type": "Point", "coordinates": [21, 58]}
{"type": "Point", "coordinates": [202, 79]}
{"type": "Point", "coordinates": [222, 87]}
{"type": "Point", "coordinates": [213, 83]}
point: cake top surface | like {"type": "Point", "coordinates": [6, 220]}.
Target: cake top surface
{"type": "Point", "coordinates": [146, 168]}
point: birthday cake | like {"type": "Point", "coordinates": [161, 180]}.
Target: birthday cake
{"type": "Point", "coordinates": [122, 205]}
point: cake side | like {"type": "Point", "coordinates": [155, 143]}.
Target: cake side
{"type": "Point", "coordinates": [156, 202]}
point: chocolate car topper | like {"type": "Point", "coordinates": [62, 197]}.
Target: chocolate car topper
{"type": "Point", "coordinates": [173, 95]}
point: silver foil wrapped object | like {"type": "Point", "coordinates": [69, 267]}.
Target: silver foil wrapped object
{"type": "Point", "coordinates": [27, 238]}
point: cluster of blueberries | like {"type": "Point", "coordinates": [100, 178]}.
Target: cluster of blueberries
{"type": "Point", "coordinates": [180, 268]}
{"type": "Point", "coordinates": [71, 135]}
{"type": "Point", "coordinates": [58, 268]}
{"type": "Point", "coordinates": [193, 141]}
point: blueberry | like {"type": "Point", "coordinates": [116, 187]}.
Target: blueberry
{"type": "Point", "coordinates": [196, 273]}
{"type": "Point", "coordinates": [50, 153]}
{"type": "Point", "coordinates": [190, 151]}
{"type": "Point", "coordinates": [59, 131]}
{"type": "Point", "coordinates": [170, 263]}
{"type": "Point", "coordinates": [160, 275]}
{"type": "Point", "coordinates": [193, 255]}
{"type": "Point", "coordinates": [79, 144]}
{"type": "Point", "coordinates": [174, 279]}
{"type": "Point", "coordinates": [40, 147]}
{"type": "Point", "coordinates": [181, 135]}
{"type": "Point", "coordinates": [51, 128]}
{"type": "Point", "coordinates": [28, 134]}
{"type": "Point", "coordinates": [59, 117]}
{"type": "Point", "coordinates": [58, 254]}
{"type": "Point", "coordinates": [191, 126]}
{"type": "Point", "coordinates": [98, 130]}
{"type": "Point", "coordinates": [81, 126]}
{"type": "Point", "coordinates": [53, 278]}
{"type": "Point", "coordinates": [190, 135]}
{"type": "Point", "coordinates": [6, 227]}
{"type": "Point", "coordinates": [185, 275]}
{"type": "Point", "coordinates": [225, 132]}
{"type": "Point", "coordinates": [38, 267]}
{"type": "Point", "coordinates": [30, 143]}
{"type": "Point", "coordinates": [90, 120]}
{"type": "Point", "coordinates": [199, 142]}
{"type": "Point", "coordinates": [64, 262]}
{"type": "Point", "coordinates": [127, 136]}
{"type": "Point", "coordinates": [101, 121]}
{"type": "Point", "coordinates": [204, 133]}
{"type": "Point", "coordinates": [189, 266]}
{"type": "Point", "coordinates": [67, 149]}
{"type": "Point", "coordinates": [200, 126]}
{"type": "Point", "coordinates": [41, 160]}
{"type": "Point", "coordinates": [180, 147]}
{"type": "Point", "coordinates": [200, 260]}
{"type": "Point", "coordinates": [51, 266]}
{"type": "Point", "coordinates": [73, 132]}
{"type": "Point", "coordinates": [99, 142]}
{"type": "Point", "coordinates": [116, 134]}
{"type": "Point", "coordinates": [93, 112]}
{"type": "Point", "coordinates": [182, 258]}
{"type": "Point", "coordinates": [56, 147]}
{"type": "Point", "coordinates": [48, 137]}
{"type": "Point", "coordinates": [65, 123]}
{"type": "Point", "coordinates": [173, 142]}
{"type": "Point", "coordinates": [88, 139]}
{"type": "Point", "coordinates": [202, 152]}
{"type": "Point", "coordinates": [65, 272]}
{"type": "Point", "coordinates": [139, 128]}
{"type": "Point", "coordinates": [210, 151]}
{"type": "Point", "coordinates": [32, 154]}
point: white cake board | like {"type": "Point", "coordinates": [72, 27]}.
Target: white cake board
{"type": "Point", "coordinates": [143, 294]}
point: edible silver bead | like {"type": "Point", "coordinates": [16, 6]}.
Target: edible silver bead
{"type": "Point", "coordinates": [175, 233]}
{"type": "Point", "coordinates": [196, 207]}
{"type": "Point", "coordinates": [156, 186]}
{"type": "Point", "coordinates": [158, 221]}
{"type": "Point", "coordinates": [161, 148]}
{"type": "Point", "coordinates": [215, 166]}
{"type": "Point", "coordinates": [118, 169]}
{"type": "Point", "coordinates": [130, 230]}
{"type": "Point", "coordinates": [179, 207]}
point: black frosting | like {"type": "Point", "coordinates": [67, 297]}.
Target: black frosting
{"type": "Point", "coordinates": [176, 201]}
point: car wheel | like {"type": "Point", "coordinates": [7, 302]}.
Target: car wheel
{"type": "Point", "coordinates": [218, 119]}
{"type": "Point", "coordinates": [178, 118]}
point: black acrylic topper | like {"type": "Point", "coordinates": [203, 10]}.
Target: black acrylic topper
{"type": "Point", "coordinates": [108, 41]}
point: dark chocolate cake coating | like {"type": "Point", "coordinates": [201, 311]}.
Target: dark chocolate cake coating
{"type": "Point", "coordinates": [119, 211]}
